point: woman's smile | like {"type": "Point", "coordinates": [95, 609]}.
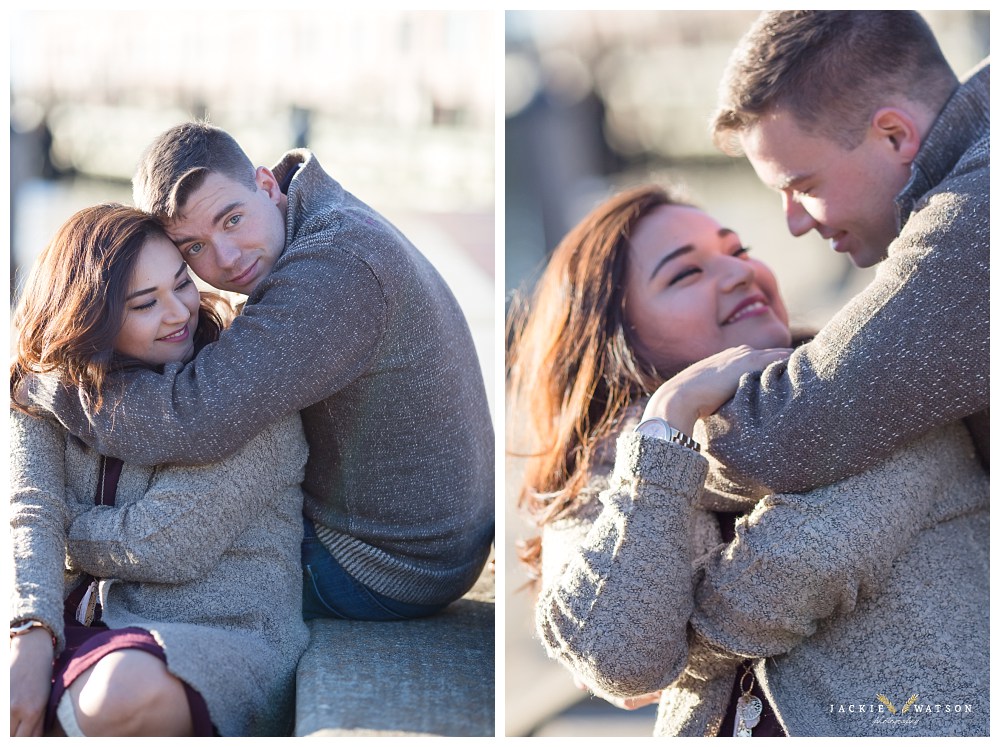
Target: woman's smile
{"type": "Point", "coordinates": [179, 336]}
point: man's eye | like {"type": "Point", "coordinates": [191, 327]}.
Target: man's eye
{"type": "Point", "coordinates": [235, 219]}
{"type": "Point", "coordinates": [193, 249]}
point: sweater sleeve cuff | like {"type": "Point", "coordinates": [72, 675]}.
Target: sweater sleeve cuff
{"type": "Point", "coordinates": [674, 468]}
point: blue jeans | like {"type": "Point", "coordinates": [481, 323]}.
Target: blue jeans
{"type": "Point", "coordinates": [330, 591]}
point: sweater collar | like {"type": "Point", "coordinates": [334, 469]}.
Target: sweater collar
{"type": "Point", "coordinates": [964, 120]}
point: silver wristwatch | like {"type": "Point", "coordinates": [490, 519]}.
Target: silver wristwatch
{"type": "Point", "coordinates": [660, 428]}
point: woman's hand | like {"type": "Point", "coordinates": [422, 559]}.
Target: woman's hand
{"type": "Point", "coordinates": [640, 701]}
{"type": "Point", "coordinates": [703, 387]}
{"type": "Point", "coordinates": [628, 704]}
{"type": "Point", "coordinates": [30, 681]}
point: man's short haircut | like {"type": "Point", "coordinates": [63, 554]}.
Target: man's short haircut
{"type": "Point", "coordinates": [177, 162]}
{"type": "Point", "coordinates": [832, 69]}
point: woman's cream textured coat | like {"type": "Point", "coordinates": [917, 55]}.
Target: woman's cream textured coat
{"type": "Point", "coordinates": [205, 558]}
{"type": "Point", "coordinates": [868, 593]}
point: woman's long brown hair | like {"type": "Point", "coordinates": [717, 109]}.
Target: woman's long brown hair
{"type": "Point", "coordinates": [72, 305]}
{"type": "Point", "coordinates": [572, 367]}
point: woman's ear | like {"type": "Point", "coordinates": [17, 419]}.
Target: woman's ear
{"type": "Point", "coordinates": [899, 130]}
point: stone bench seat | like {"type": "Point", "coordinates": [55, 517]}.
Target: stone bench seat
{"type": "Point", "coordinates": [433, 676]}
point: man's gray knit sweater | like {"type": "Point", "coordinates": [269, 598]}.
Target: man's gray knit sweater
{"type": "Point", "coordinates": [908, 354]}
{"type": "Point", "coordinates": [354, 328]}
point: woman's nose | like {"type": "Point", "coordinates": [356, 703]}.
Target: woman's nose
{"type": "Point", "coordinates": [176, 310]}
{"type": "Point", "coordinates": [737, 272]}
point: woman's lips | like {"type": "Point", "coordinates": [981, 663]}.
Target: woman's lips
{"type": "Point", "coordinates": [179, 336]}
{"type": "Point", "coordinates": [754, 307]}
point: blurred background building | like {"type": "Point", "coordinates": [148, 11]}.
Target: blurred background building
{"type": "Point", "coordinates": [399, 106]}
{"type": "Point", "coordinates": [599, 100]}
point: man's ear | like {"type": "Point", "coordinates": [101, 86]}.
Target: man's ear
{"type": "Point", "coordinates": [266, 181]}
{"type": "Point", "coordinates": [899, 130]}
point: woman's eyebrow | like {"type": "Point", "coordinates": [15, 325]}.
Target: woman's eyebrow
{"type": "Point", "coordinates": [722, 233]}
{"type": "Point", "coordinates": [177, 274]}
{"type": "Point", "coordinates": [669, 256]}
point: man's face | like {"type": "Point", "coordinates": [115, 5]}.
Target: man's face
{"type": "Point", "coordinates": [846, 196]}
{"type": "Point", "coordinates": [230, 235]}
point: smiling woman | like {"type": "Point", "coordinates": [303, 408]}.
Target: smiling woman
{"type": "Point", "coordinates": [162, 307]}
{"type": "Point", "coordinates": [693, 290]}
{"type": "Point", "coordinates": [90, 292]}
{"type": "Point", "coordinates": [146, 601]}
{"type": "Point", "coordinates": [643, 287]}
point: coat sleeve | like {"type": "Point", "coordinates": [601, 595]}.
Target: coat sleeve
{"type": "Point", "coordinates": [314, 326]}
{"type": "Point", "coordinates": [800, 559]}
{"type": "Point", "coordinates": [629, 607]}
{"type": "Point", "coordinates": [38, 517]}
{"type": "Point", "coordinates": [909, 354]}
{"type": "Point", "coordinates": [190, 516]}
{"type": "Point", "coordinates": [617, 592]}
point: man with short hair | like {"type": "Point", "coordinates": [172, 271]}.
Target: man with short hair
{"type": "Point", "coordinates": [345, 321]}
{"type": "Point", "coordinates": [859, 123]}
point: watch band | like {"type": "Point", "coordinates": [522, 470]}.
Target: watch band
{"type": "Point", "coordinates": [24, 626]}
{"type": "Point", "coordinates": [660, 428]}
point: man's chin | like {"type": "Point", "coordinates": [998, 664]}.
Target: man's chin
{"type": "Point", "coordinates": [865, 257]}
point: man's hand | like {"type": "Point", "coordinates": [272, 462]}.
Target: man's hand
{"type": "Point", "coordinates": [30, 681]}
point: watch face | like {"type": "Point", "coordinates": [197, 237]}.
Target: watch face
{"type": "Point", "coordinates": [656, 428]}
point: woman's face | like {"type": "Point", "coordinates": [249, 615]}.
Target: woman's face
{"type": "Point", "coordinates": [161, 309]}
{"type": "Point", "coordinates": [692, 290]}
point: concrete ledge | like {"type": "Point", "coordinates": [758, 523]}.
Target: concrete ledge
{"type": "Point", "coordinates": [429, 677]}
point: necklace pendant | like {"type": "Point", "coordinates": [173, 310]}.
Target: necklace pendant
{"type": "Point", "coordinates": [748, 710]}
{"type": "Point", "coordinates": [87, 608]}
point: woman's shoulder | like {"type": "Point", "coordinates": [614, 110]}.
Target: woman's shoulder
{"type": "Point", "coordinates": [276, 454]}
{"type": "Point", "coordinates": [283, 438]}
{"type": "Point", "coordinates": [34, 431]}
{"type": "Point", "coordinates": [939, 470]}
{"type": "Point", "coordinates": [944, 455]}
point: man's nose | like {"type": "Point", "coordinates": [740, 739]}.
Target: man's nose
{"type": "Point", "coordinates": [798, 218]}
{"type": "Point", "coordinates": [226, 253]}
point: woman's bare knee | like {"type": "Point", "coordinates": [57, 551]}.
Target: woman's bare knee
{"type": "Point", "coordinates": [130, 693]}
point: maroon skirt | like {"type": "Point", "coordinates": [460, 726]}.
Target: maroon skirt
{"type": "Point", "coordinates": [85, 646]}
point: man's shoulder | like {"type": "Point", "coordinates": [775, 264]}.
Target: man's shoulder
{"type": "Point", "coordinates": [979, 76]}
{"type": "Point", "coordinates": [968, 181]}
